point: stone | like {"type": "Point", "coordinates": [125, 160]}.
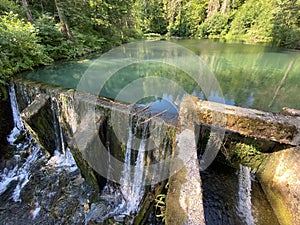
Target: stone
{"type": "Point", "coordinates": [283, 129]}
{"type": "Point", "coordinates": [184, 200]}
{"type": "Point", "coordinates": [38, 119]}
{"type": "Point", "coordinates": [279, 176]}
{"type": "Point", "coordinates": [6, 121]}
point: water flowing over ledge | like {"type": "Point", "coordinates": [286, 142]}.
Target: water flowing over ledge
{"type": "Point", "coordinates": [62, 113]}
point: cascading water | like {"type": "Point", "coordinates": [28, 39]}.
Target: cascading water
{"type": "Point", "coordinates": [24, 173]}
{"type": "Point", "coordinates": [18, 126]}
{"type": "Point", "coordinates": [21, 171]}
{"type": "Point", "coordinates": [39, 188]}
{"type": "Point", "coordinates": [56, 117]}
{"type": "Point", "coordinates": [25, 169]}
{"type": "Point", "coordinates": [55, 126]}
{"type": "Point", "coordinates": [133, 186]}
{"type": "Point", "coordinates": [109, 187]}
{"type": "Point", "coordinates": [244, 195]}
{"type": "Point", "coordinates": [62, 156]}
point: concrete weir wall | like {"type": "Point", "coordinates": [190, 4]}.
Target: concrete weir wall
{"type": "Point", "coordinates": [90, 126]}
{"type": "Point", "coordinates": [81, 121]}
{"type": "Point", "coordinates": [279, 172]}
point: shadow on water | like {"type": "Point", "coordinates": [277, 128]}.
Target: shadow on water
{"type": "Point", "coordinates": [224, 203]}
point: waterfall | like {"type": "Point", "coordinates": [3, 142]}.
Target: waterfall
{"type": "Point", "coordinates": [127, 161]}
{"type": "Point", "coordinates": [244, 195]}
{"type": "Point", "coordinates": [18, 126]}
{"type": "Point", "coordinates": [23, 173]}
{"type": "Point", "coordinates": [20, 173]}
{"type": "Point", "coordinates": [63, 157]}
{"type": "Point", "coordinates": [133, 186]}
{"type": "Point", "coordinates": [108, 189]}
{"type": "Point", "coordinates": [60, 130]}
{"type": "Point", "coordinates": [59, 140]}
{"type": "Point", "coordinates": [55, 124]}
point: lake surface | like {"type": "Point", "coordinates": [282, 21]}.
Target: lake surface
{"type": "Point", "coordinates": [252, 76]}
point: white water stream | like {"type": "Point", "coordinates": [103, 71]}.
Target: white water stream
{"type": "Point", "coordinates": [244, 195]}
{"type": "Point", "coordinates": [132, 189]}
{"type": "Point", "coordinates": [18, 126]}
{"type": "Point", "coordinates": [133, 186]}
{"type": "Point", "coordinates": [21, 170]}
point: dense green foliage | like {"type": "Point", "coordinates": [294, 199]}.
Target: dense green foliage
{"type": "Point", "coordinates": [276, 21]}
{"type": "Point", "coordinates": [33, 33]}
{"type": "Point", "coordinates": [20, 48]}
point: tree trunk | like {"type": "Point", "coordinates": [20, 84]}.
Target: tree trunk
{"type": "Point", "coordinates": [28, 13]}
{"type": "Point", "coordinates": [213, 7]}
{"type": "Point", "coordinates": [225, 6]}
{"type": "Point", "coordinates": [64, 25]}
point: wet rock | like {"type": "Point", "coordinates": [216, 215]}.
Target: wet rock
{"type": "Point", "coordinates": [6, 121]}
{"type": "Point", "coordinates": [279, 176]}
{"type": "Point", "coordinates": [291, 112]}
{"type": "Point", "coordinates": [38, 119]}
{"type": "Point", "coordinates": [51, 196]}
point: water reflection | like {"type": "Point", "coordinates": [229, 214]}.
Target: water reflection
{"type": "Point", "coordinates": [251, 76]}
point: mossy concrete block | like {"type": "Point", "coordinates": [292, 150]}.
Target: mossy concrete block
{"type": "Point", "coordinates": [38, 119]}
{"type": "Point", "coordinates": [279, 176]}
{"type": "Point", "coordinates": [184, 199]}
{"type": "Point", "coordinates": [276, 127]}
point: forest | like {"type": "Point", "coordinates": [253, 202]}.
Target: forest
{"type": "Point", "coordinates": [35, 33]}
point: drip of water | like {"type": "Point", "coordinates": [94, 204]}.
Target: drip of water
{"type": "Point", "coordinates": [59, 140]}
{"type": "Point", "coordinates": [18, 126]}
{"type": "Point", "coordinates": [55, 124]}
{"type": "Point", "coordinates": [60, 130]}
{"type": "Point", "coordinates": [134, 181]}
{"type": "Point", "coordinates": [244, 195]}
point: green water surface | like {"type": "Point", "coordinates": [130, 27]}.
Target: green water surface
{"type": "Point", "coordinates": [252, 76]}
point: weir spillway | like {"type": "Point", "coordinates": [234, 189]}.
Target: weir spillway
{"type": "Point", "coordinates": [102, 134]}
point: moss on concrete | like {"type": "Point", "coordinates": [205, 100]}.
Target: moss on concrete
{"type": "Point", "coordinates": [174, 213]}
{"type": "Point", "coordinates": [250, 126]}
{"type": "Point", "coordinates": [248, 155]}
{"type": "Point", "coordinates": [280, 180]}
